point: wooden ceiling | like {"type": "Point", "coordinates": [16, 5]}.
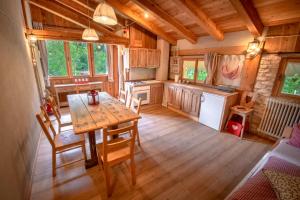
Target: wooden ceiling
{"type": "Point", "coordinates": [172, 19]}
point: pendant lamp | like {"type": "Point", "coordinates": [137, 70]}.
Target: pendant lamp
{"type": "Point", "coordinates": [89, 33]}
{"type": "Point", "coordinates": [105, 14]}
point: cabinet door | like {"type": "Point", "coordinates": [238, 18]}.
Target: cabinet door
{"type": "Point", "coordinates": [133, 57]}
{"type": "Point", "coordinates": [157, 58]}
{"type": "Point", "coordinates": [156, 93]}
{"type": "Point", "coordinates": [150, 57]}
{"type": "Point", "coordinates": [174, 96]}
{"type": "Point", "coordinates": [142, 58]}
{"type": "Point", "coordinates": [190, 101]}
{"type": "Point", "coordinates": [195, 102]}
{"type": "Point", "coordinates": [186, 100]}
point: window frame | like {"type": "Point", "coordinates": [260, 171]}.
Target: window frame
{"type": "Point", "coordinates": [279, 81]}
{"type": "Point", "coordinates": [195, 80]}
{"type": "Point", "coordinates": [90, 53]}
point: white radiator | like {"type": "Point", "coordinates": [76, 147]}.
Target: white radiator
{"type": "Point", "coordinates": [278, 114]}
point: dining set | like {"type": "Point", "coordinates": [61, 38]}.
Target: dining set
{"type": "Point", "coordinates": [116, 119]}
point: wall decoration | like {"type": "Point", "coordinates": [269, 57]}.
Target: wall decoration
{"type": "Point", "coordinates": [229, 70]}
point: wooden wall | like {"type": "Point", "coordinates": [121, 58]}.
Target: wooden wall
{"type": "Point", "coordinates": [141, 38]}
{"type": "Point", "coordinates": [18, 104]}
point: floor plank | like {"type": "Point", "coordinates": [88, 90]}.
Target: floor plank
{"type": "Point", "coordinates": [179, 159]}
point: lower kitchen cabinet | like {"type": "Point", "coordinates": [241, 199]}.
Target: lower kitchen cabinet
{"type": "Point", "coordinates": [190, 101]}
{"type": "Point", "coordinates": [206, 105]}
{"type": "Point", "coordinates": [156, 93]}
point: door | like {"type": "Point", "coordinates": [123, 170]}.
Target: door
{"type": "Point", "coordinates": [211, 110]}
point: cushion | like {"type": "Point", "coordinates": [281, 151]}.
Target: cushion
{"type": "Point", "coordinates": [295, 139]}
{"type": "Point", "coordinates": [287, 187]}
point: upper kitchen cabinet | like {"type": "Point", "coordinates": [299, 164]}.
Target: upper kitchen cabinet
{"type": "Point", "coordinates": [141, 58]}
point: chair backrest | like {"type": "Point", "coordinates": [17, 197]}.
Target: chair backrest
{"type": "Point", "coordinates": [128, 100]}
{"type": "Point", "coordinates": [45, 123]}
{"type": "Point", "coordinates": [119, 143]}
{"type": "Point", "coordinates": [135, 105]}
{"type": "Point", "coordinates": [248, 99]}
{"type": "Point", "coordinates": [123, 96]}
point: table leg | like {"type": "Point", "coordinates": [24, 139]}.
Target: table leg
{"type": "Point", "coordinates": [94, 159]}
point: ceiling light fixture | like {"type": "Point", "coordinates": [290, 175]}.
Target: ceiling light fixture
{"type": "Point", "coordinates": [146, 15]}
{"type": "Point", "coordinates": [32, 38]}
{"type": "Point", "coordinates": [253, 49]}
{"type": "Point", "coordinates": [89, 34]}
{"type": "Point", "coordinates": [105, 14]}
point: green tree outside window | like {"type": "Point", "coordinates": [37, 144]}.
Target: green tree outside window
{"type": "Point", "coordinates": [100, 58]}
{"type": "Point", "coordinates": [79, 58]}
{"type": "Point", "coordinates": [56, 58]}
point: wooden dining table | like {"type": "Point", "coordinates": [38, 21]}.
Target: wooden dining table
{"type": "Point", "coordinates": [88, 118]}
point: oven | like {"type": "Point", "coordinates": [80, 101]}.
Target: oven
{"type": "Point", "coordinates": [142, 92]}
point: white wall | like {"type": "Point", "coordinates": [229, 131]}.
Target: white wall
{"type": "Point", "coordinates": [19, 102]}
{"type": "Point", "coordinates": [162, 71]}
{"type": "Point", "coordinates": [241, 38]}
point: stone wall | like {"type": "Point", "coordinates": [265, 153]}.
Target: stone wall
{"type": "Point", "coordinates": [265, 79]}
{"type": "Point", "coordinates": [19, 102]}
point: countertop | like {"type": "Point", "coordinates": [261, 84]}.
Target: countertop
{"type": "Point", "coordinates": [203, 88]}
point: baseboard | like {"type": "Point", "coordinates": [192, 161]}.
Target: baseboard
{"type": "Point", "coordinates": [29, 182]}
{"type": "Point", "coordinates": [184, 114]}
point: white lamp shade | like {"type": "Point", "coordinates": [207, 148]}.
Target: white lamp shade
{"type": "Point", "coordinates": [105, 14]}
{"type": "Point", "coordinates": [90, 34]}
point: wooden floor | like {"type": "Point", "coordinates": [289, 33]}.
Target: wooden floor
{"type": "Point", "coordinates": [179, 159]}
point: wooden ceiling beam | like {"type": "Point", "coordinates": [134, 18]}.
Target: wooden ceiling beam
{"type": "Point", "coordinates": [66, 34]}
{"type": "Point", "coordinates": [156, 11]}
{"type": "Point", "coordinates": [249, 14]}
{"type": "Point", "coordinates": [77, 19]}
{"type": "Point", "coordinates": [201, 18]}
{"type": "Point", "coordinates": [82, 9]}
{"type": "Point", "coordinates": [141, 21]}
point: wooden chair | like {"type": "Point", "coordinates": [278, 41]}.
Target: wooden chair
{"type": "Point", "coordinates": [245, 109]}
{"type": "Point", "coordinates": [62, 122]}
{"type": "Point", "coordinates": [135, 106]}
{"type": "Point", "coordinates": [115, 151]}
{"type": "Point", "coordinates": [60, 142]}
{"type": "Point", "coordinates": [123, 96]}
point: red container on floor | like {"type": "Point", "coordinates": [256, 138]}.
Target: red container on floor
{"type": "Point", "coordinates": [234, 128]}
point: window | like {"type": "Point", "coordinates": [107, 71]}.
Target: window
{"type": "Point", "coordinates": [288, 79]}
{"type": "Point", "coordinates": [201, 70]}
{"type": "Point", "coordinates": [56, 58]}
{"type": "Point", "coordinates": [291, 82]}
{"type": "Point", "coordinates": [192, 73]}
{"type": "Point", "coordinates": [100, 59]}
{"type": "Point", "coordinates": [188, 69]}
{"type": "Point", "coordinates": [79, 58]}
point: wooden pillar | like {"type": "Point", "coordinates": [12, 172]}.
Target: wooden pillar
{"type": "Point", "coordinates": [249, 73]}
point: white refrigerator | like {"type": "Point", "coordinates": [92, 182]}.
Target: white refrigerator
{"type": "Point", "coordinates": [211, 110]}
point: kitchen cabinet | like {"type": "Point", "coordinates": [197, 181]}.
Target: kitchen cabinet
{"type": "Point", "coordinates": [207, 105]}
{"type": "Point", "coordinates": [174, 96]}
{"type": "Point", "coordinates": [156, 93]}
{"type": "Point", "coordinates": [190, 101]}
{"type": "Point", "coordinates": [141, 57]}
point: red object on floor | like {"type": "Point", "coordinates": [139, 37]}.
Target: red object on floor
{"type": "Point", "coordinates": [48, 108]}
{"type": "Point", "coordinates": [234, 128]}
